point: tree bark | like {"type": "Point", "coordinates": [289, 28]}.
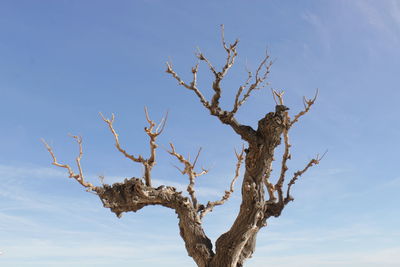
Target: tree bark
{"type": "Point", "coordinates": [238, 244]}
{"type": "Point", "coordinates": [132, 195]}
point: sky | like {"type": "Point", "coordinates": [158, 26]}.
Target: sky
{"type": "Point", "coordinates": [63, 62]}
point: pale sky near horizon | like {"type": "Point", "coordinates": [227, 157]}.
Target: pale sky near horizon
{"type": "Point", "coordinates": [62, 62]}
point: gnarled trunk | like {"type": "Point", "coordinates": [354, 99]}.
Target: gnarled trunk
{"type": "Point", "coordinates": [238, 244]}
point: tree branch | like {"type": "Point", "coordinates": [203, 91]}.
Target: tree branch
{"type": "Point", "coordinates": [296, 175]}
{"type": "Point", "coordinates": [192, 86]}
{"type": "Point", "coordinates": [226, 117]}
{"type": "Point", "coordinates": [307, 105]}
{"type": "Point", "coordinates": [79, 177]}
{"type": "Point", "coordinates": [117, 144]}
{"type": "Point", "coordinates": [133, 195]}
{"type": "Point", "coordinates": [210, 205]}
{"type": "Point", "coordinates": [152, 133]}
{"type": "Point", "coordinates": [189, 170]}
{"type": "Point", "coordinates": [259, 82]}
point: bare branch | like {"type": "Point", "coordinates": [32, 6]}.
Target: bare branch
{"type": "Point", "coordinates": [152, 133]}
{"type": "Point", "coordinates": [230, 60]}
{"type": "Point", "coordinates": [197, 157]}
{"type": "Point", "coordinates": [284, 168]}
{"type": "Point", "coordinates": [192, 86]}
{"type": "Point", "coordinates": [278, 96]}
{"type": "Point", "coordinates": [307, 105]}
{"type": "Point", "coordinates": [237, 103]}
{"type": "Point", "coordinates": [261, 75]}
{"type": "Point", "coordinates": [161, 125]}
{"type": "Point", "coordinates": [226, 117]}
{"type": "Point", "coordinates": [117, 144]}
{"type": "Point", "coordinates": [223, 38]}
{"type": "Point", "coordinates": [151, 161]}
{"type": "Point", "coordinates": [296, 175]}
{"type": "Point", "coordinates": [231, 52]}
{"type": "Point", "coordinates": [189, 170]}
{"type": "Point", "coordinates": [210, 205]}
{"type": "Point", "coordinates": [79, 177]}
{"type": "Point", "coordinates": [201, 57]}
{"type": "Point", "coordinates": [270, 189]}
{"type": "Point", "coordinates": [132, 195]}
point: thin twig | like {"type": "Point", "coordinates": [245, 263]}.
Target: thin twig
{"type": "Point", "coordinates": [278, 96]}
{"type": "Point", "coordinates": [286, 155]}
{"type": "Point", "coordinates": [296, 175]}
{"type": "Point", "coordinates": [188, 170]}
{"type": "Point", "coordinates": [259, 82]}
{"type": "Point", "coordinates": [226, 117]}
{"type": "Point", "coordinates": [78, 177]}
{"type": "Point", "coordinates": [117, 144]}
{"type": "Point", "coordinates": [151, 161]}
{"type": "Point", "coordinates": [192, 85]}
{"type": "Point", "coordinates": [211, 204]}
{"type": "Point", "coordinates": [307, 105]}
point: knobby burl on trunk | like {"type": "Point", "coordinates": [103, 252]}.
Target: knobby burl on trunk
{"type": "Point", "coordinates": [261, 198]}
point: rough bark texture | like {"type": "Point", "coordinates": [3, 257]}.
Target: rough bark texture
{"type": "Point", "coordinates": [132, 195]}
{"type": "Point", "coordinates": [238, 244]}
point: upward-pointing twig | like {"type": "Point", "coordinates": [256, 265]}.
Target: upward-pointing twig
{"type": "Point", "coordinates": [152, 133]}
{"type": "Point", "coordinates": [79, 177]}
{"type": "Point", "coordinates": [211, 204]}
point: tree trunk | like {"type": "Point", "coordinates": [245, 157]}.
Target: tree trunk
{"type": "Point", "coordinates": [238, 244]}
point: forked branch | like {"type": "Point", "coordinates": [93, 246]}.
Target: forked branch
{"type": "Point", "coordinates": [152, 131]}
{"type": "Point", "coordinates": [278, 97]}
{"type": "Point", "coordinates": [188, 170]}
{"type": "Point", "coordinates": [307, 105]}
{"type": "Point", "coordinates": [110, 123]}
{"type": "Point", "coordinates": [211, 204]}
{"type": "Point", "coordinates": [77, 176]}
{"type": "Point", "coordinates": [286, 154]}
{"type": "Point", "coordinates": [192, 86]}
{"type": "Point", "coordinates": [259, 82]}
{"type": "Point", "coordinates": [226, 117]}
{"type": "Point", "coordinates": [296, 175]}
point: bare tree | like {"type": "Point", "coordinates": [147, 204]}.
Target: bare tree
{"type": "Point", "coordinates": [262, 197]}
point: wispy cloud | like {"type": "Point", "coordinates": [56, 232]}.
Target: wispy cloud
{"type": "Point", "coordinates": [382, 16]}
{"type": "Point", "coordinates": [344, 246]}
{"type": "Point", "coordinates": [46, 230]}
{"type": "Point", "coordinates": [93, 252]}
{"type": "Point", "coordinates": [377, 257]}
{"type": "Point", "coordinates": [8, 172]}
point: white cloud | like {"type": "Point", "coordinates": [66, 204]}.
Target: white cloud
{"type": "Point", "coordinates": [11, 172]}
{"type": "Point", "coordinates": [95, 249]}
{"type": "Point", "coordinates": [377, 257]}
{"type": "Point", "coordinates": [351, 246]}
{"type": "Point", "coordinates": [382, 16]}
{"type": "Point", "coordinates": [92, 252]}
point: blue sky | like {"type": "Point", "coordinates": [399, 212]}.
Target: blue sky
{"type": "Point", "coordinates": [64, 61]}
